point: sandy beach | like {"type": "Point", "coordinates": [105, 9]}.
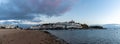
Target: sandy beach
{"type": "Point", "coordinates": [17, 36]}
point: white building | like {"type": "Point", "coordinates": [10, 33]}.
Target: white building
{"type": "Point", "coordinates": [70, 24]}
{"type": "Point", "coordinates": [8, 26]}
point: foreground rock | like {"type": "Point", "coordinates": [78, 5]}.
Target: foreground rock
{"type": "Point", "coordinates": [12, 36]}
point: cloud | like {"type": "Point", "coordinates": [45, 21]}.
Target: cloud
{"type": "Point", "coordinates": [17, 22]}
{"type": "Point", "coordinates": [30, 9]}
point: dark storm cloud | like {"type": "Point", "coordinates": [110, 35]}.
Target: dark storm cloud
{"type": "Point", "coordinates": [30, 9]}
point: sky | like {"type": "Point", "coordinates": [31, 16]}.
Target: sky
{"type": "Point", "coordinates": [49, 11]}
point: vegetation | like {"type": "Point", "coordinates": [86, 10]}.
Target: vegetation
{"type": "Point", "coordinates": [2, 27]}
{"type": "Point", "coordinates": [96, 27]}
{"type": "Point", "coordinates": [84, 26]}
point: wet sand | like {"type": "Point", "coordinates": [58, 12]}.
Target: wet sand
{"type": "Point", "coordinates": [17, 36]}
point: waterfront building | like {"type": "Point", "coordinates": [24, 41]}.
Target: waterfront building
{"type": "Point", "coordinates": [8, 26]}
{"type": "Point", "coordinates": [70, 24]}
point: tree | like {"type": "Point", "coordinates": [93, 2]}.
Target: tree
{"type": "Point", "coordinates": [84, 26]}
{"type": "Point", "coordinates": [96, 27]}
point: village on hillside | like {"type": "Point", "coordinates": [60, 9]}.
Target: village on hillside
{"type": "Point", "coordinates": [65, 25]}
{"type": "Point", "coordinates": [8, 26]}
{"type": "Point", "coordinates": [59, 25]}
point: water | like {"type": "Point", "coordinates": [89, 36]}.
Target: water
{"type": "Point", "coordinates": [109, 36]}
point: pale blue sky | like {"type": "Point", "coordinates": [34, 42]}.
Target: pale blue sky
{"type": "Point", "coordinates": [91, 12]}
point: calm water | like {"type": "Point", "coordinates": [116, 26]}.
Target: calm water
{"type": "Point", "coordinates": [109, 36]}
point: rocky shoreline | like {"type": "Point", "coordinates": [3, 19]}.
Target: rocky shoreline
{"type": "Point", "coordinates": [17, 36]}
{"type": "Point", "coordinates": [67, 29]}
{"type": "Point", "coordinates": [56, 38]}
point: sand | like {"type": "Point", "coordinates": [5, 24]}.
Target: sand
{"type": "Point", "coordinates": [17, 36]}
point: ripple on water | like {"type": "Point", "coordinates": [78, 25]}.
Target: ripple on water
{"type": "Point", "coordinates": [111, 36]}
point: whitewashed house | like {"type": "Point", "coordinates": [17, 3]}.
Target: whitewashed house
{"type": "Point", "coordinates": [8, 26]}
{"type": "Point", "coordinates": [70, 24]}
